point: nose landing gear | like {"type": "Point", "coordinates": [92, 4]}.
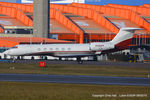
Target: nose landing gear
{"type": "Point", "coordinates": [79, 60]}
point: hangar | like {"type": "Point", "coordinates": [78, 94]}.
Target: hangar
{"type": "Point", "coordinates": [77, 22]}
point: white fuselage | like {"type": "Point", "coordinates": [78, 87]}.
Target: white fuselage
{"type": "Point", "coordinates": [120, 42]}
{"type": "Point", "coordinates": [59, 50]}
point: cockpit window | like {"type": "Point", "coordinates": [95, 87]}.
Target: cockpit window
{"type": "Point", "coordinates": [14, 47]}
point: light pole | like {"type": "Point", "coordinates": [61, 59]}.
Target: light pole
{"type": "Point", "coordinates": [31, 36]}
{"type": "Point", "coordinates": [136, 41]}
{"type": "Point", "coordinates": [75, 37]}
{"type": "Point", "coordinates": [145, 39]}
{"type": "Point", "coordinates": [139, 38]}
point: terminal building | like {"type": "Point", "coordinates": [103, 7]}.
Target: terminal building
{"type": "Point", "coordinates": [74, 22]}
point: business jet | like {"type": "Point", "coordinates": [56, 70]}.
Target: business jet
{"type": "Point", "coordinates": [120, 42]}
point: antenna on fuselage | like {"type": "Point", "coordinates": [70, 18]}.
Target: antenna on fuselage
{"type": "Point", "coordinates": [43, 42]}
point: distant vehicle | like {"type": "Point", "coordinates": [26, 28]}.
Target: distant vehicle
{"type": "Point", "coordinates": [120, 42]}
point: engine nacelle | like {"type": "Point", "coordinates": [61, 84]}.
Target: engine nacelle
{"type": "Point", "coordinates": [101, 46]}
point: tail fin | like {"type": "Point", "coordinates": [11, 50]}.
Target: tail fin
{"type": "Point", "coordinates": [123, 38]}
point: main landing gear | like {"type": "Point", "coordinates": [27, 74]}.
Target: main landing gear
{"type": "Point", "coordinates": [79, 60]}
{"type": "Point", "coordinates": [13, 59]}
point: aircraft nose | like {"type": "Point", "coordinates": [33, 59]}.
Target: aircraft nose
{"type": "Point", "coordinates": [7, 52]}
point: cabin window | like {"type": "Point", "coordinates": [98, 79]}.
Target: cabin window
{"type": "Point", "coordinates": [51, 49]}
{"type": "Point", "coordinates": [57, 49]}
{"type": "Point", "coordinates": [63, 49]}
{"type": "Point", "coordinates": [39, 49]}
{"type": "Point", "coordinates": [45, 49]}
{"type": "Point", "coordinates": [69, 49]}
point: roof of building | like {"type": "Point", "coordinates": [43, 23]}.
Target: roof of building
{"type": "Point", "coordinates": [33, 39]}
{"type": "Point", "coordinates": [26, 40]}
{"type": "Point", "coordinates": [9, 21]}
{"type": "Point", "coordinates": [6, 43]}
{"type": "Point", "coordinates": [80, 19]}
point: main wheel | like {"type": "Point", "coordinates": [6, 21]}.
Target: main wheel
{"type": "Point", "coordinates": [32, 58]}
{"type": "Point", "coordinates": [80, 62]}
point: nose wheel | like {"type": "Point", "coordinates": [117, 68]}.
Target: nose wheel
{"type": "Point", "coordinates": [79, 60]}
{"type": "Point", "coordinates": [13, 59]}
